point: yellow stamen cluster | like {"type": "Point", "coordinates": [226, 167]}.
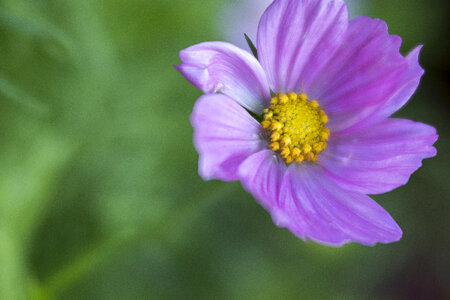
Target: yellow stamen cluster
{"type": "Point", "coordinates": [297, 127]}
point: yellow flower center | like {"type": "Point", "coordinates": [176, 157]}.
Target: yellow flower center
{"type": "Point", "coordinates": [296, 127]}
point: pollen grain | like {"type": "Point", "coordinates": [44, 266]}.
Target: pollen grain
{"type": "Point", "coordinates": [296, 126]}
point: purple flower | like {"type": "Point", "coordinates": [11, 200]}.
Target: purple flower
{"type": "Point", "coordinates": [324, 140]}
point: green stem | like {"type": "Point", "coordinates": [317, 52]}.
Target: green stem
{"type": "Point", "coordinates": [109, 249]}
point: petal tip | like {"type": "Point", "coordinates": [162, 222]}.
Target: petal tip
{"type": "Point", "coordinates": [413, 60]}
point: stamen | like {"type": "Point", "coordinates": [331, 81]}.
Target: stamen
{"type": "Point", "coordinates": [296, 127]}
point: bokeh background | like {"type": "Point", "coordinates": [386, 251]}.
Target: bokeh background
{"type": "Point", "coordinates": [99, 192]}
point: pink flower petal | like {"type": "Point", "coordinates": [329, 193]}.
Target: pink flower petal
{"type": "Point", "coordinates": [222, 67]}
{"type": "Point", "coordinates": [381, 158]}
{"type": "Point", "coordinates": [367, 79]}
{"type": "Point", "coordinates": [224, 135]}
{"type": "Point", "coordinates": [297, 37]}
{"type": "Point", "coordinates": [409, 83]}
{"type": "Point", "coordinates": [316, 208]}
{"type": "Point", "coordinates": [261, 175]}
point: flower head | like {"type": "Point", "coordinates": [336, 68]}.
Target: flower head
{"type": "Point", "coordinates": [325, 139]}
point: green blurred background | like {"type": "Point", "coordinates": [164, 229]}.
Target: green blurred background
{"type": "Point", "coordinates": [99, 192]}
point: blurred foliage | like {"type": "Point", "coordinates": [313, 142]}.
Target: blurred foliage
{"type": "Point", "coordinates": [99, 194]}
